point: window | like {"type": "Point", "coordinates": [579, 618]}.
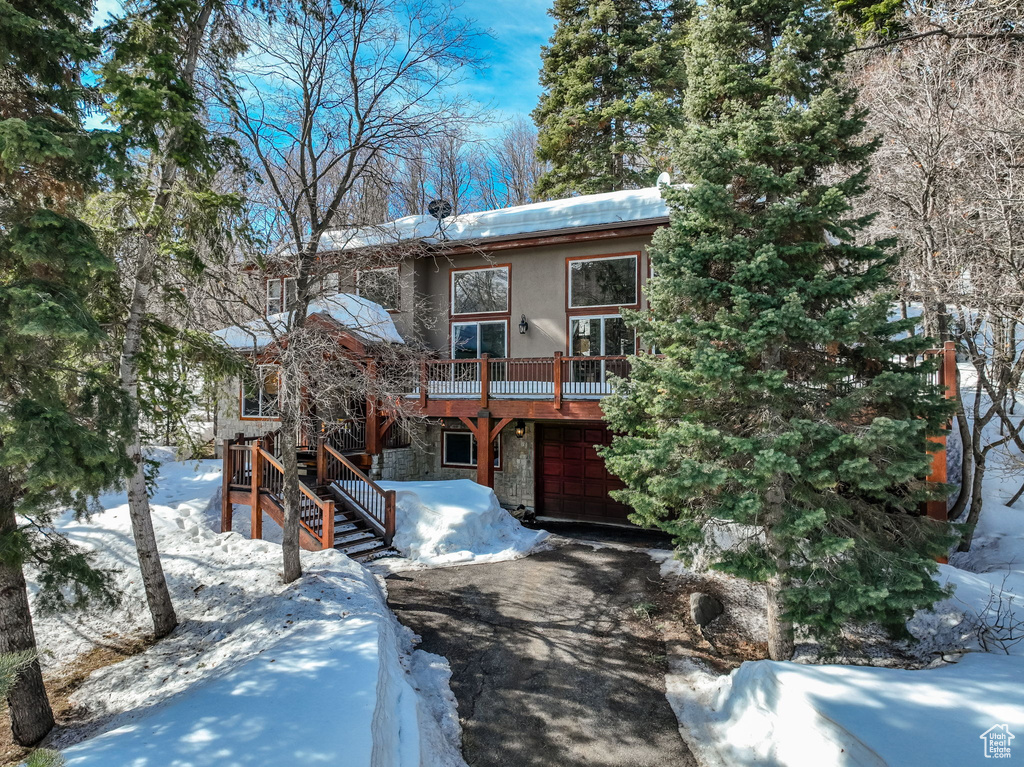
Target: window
{"type": "Point", "coordinates": [605, 336]}
{"type": "Point", "coordinates": [480, 291]}
{"type": "Point", "coordinates": [459, 449]}
{"type": "Point", "coordinates": [475, 339]}
{"type": "Point", "coordinates": [275, 286]}
{"type": "Point", "coordinates": [602, 282]}
{"type": "Point", "coordinates": [260, 391]}
{"type": "Point", "coordinates": [380, 286]}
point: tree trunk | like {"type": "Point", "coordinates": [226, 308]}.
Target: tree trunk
{"type": "Point", "coordinates": [780, 629]}
{"type": "Point", "coordinates": [157, 595]}
{"type": "Point", "coordinates": [290, 461]}
{"type": "Point", "coordinates": [31, 715]}
{"type": "Point", "coordinates": [976, 502]}
{"type": "Point", "coordinates": [966, 462]}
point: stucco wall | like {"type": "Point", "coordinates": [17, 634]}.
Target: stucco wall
{"type": "Point", "coordinates": [538, 286]}
{"type": "Point", "coordinates": [229, 420]}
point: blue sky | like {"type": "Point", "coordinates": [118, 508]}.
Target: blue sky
{"type": "Point", "coordinates": [508, 80]}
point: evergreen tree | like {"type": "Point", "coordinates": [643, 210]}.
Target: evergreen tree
{"type": "Point", "coordinates": [779, 403]}
{"type": "Point", "coordinates": [610, 75]}
{"type": "Point", "coordinates": [59, 417]}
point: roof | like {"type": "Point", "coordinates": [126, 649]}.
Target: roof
{"type": "Point", "coordinates": [631, 206]}
{"type": "Point", "coordinates": [363, 318]}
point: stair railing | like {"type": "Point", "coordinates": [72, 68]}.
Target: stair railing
{"type": "Point", "coordinates": [316, 515]}
{"type": "Point", "coordinates": [369, 500]}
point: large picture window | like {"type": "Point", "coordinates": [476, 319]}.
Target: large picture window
{"type": "Point", "coordinates": [475, 339]}
{"type": "Point", "coordinates": [261, 389]}
{"type": "Point", "coordinates": [480, 291]}
{"type": "Point", "coordinates": [380, 286]}
{"type": "Point", "coordinates": [605, 336]}
{"type": "Point", "coordinates": [459, 449]}
{"type": "Point", "coordinates": [602, 282]}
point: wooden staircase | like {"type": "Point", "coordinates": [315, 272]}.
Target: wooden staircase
{"type": "Point", "coordinates": [340, 506]}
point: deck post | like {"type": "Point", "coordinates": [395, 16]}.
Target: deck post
{"type": "Point", "coordinates": [256, 529]}
{"type": "Point", "coordinates": [389, 516]}
{"type": "Point", "coordinates": [484, 450]}
{"type": "Point", "coordinates": [485, 379]}
{"type": "Point", "coordinates": [424, 383]}
{"type": "Point", "coordinates": [558, 380]}
{"type": "Point", "coordinates": [327, 533]}
{"type": "Point", "coordinates": [321, 462]}
{"type": "Point", "coordinates": [228, 467]}
{"type": "Point", "coordinates": [939, 473]}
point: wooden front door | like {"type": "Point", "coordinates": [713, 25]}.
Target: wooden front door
{"type": "Point", "coordinates": [572, 481]}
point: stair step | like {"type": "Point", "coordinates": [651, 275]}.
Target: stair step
{"type": "Point", "coordinates": [364, 554]}
{"type": "Point", "coordinates": [353, 537]}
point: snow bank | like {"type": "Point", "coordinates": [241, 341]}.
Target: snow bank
{"type": "Point", "coordinates": [455, 522]}
{"type": "Point", "coordinates": [358, 314]}
{"type": "Point", "coordinates": [314, 672]}
{"type": "Point", "coordinates": [769, 713]}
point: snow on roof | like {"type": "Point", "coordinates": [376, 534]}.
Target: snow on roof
{"type": "Point", "coordinates": [359, 315]}
{"type": "Point", "coordinates": [631, 205]}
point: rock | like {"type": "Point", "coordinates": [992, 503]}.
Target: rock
{"type": "Point", "coordinates": [704, 608]}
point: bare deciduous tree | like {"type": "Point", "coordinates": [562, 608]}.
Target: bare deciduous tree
{"type": "Point", "coordinates": [948, 183]}
{"type": "Point", "coordinates": [323, 96]}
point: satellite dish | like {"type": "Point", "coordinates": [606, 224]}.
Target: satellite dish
{"type": "Point", "coordinates": [664, 179]}
{"type": "Point", "coordinates": [439, 209]}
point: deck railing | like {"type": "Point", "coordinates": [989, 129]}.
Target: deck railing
{"type": "Point", "coordinates": [521, 377]}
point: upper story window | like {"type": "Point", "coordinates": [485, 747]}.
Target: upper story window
{"type": "Point", "coordinates": [281, 293]}
{"type": "Point", "coordinates": [261, 389]}
{"type": "Point", "coordinates": [602, 281]}
{"type": "Point", "coordinates": [480, 290]}
{"type": "Point", "coordinates": [380, 286]}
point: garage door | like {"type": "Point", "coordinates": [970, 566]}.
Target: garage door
{"type": "Point", "coordinates": [572, 481]}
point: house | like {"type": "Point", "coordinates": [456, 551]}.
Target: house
{"type": "Point", "coordinates": [522, 309]}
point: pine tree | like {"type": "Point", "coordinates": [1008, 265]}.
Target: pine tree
{"type": "Point", "coordinates": [779, 403]}
{"type": "Point", "coordinates": [610, 76]}
{"type": "Point", "coordinates": [60, 418]}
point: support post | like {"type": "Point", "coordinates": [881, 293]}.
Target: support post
{"type": "Point", "coordinates": [321, 462]}
{"type": "Point", "coordinates": [484, 450]}
{"type": "Point", "coordinates": [256, 528]}
{"type": "Point", "coordinates": [372, 413]}
{"type": "Point", "coordinates": [424, 383]}
{"type": "Point", "coordinates": [228, 467]}
{"type": "Point", "coordinates": [939, 473]}
{"type": "Point", "coordinates": [327, 533]}
{"type": "Point", "coordinates": [389, 516]}
{"type": "Point", "coordinates": [485, 380]}
{"type": "Point", "coordinates": [558, 380]}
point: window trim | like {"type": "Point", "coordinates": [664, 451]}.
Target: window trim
{"type": "Point", "coordinates": [444, 450]}
{"type": "Point", "coordinates": [569, 308]}
{"type": "Point", "coordinates": [398, 284]}
{"type": "Point", "coordinates": [451, 334]}
{"type": "Point", "coordinates": [606, 316]}
{"type": "Point", "coordinates": [241, 395]}
{"type": "Point", "coordinates": [451, 291]}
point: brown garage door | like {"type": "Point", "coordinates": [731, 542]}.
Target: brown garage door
{"type": "Point", "coordinates": [572, 481]}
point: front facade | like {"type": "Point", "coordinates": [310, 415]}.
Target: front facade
{"type": "Point", "coordinates": [521, 312]}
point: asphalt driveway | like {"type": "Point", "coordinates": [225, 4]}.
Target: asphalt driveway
{"type": "Point", "coordinates": [554, 661]}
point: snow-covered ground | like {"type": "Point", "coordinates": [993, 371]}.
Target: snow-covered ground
{"type": "Point", "coordinates": [258, 672]}
{"type": "Point", "coordinates": [801, 715]}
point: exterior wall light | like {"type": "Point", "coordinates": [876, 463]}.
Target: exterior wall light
{"type": "Point", "coordinates": [523, 326]}
{"type": "Point", "coordinates": [520, 428]}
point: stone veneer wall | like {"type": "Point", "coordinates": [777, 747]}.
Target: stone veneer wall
{"type": "Point", "coordinates": [229, 420]}
{"type": "Point", "coordinates": [513, 484]}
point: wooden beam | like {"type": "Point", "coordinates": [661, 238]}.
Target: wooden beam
{"type": "Point", "coordinates": [485, 379]}
{"type": "Point", "coordinates": [497, 429]}
{"type": "Point", "coordinates": [558, 381]}
{"type": "Point", "coordinates": [533, 410]}
{"type": "Point", "coordinates": [484, 451]}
